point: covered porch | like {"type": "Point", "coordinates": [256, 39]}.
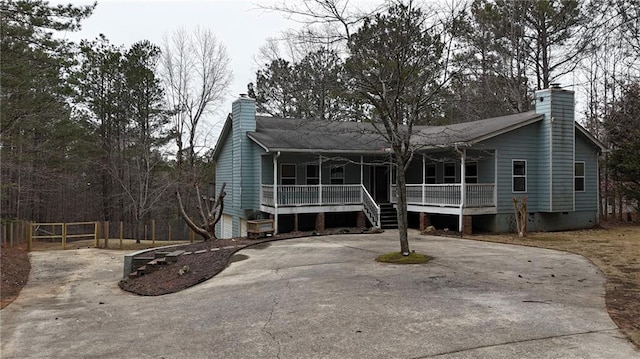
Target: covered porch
{"type": "Point", "coordinates": [316, 183]}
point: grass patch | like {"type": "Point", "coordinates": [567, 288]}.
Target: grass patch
{"type": "Point", "coordinates": [398, 258]}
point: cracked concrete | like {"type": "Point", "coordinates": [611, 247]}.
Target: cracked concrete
{"type": "Point", "coordinates": [324, 297]}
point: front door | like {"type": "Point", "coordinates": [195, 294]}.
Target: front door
{"type": "Point", "coordinates": [380, 185]}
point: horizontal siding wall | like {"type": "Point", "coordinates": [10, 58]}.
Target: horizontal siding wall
{"type": "Point", "coordinates": [544, 167]}
{"type": "Point", "coordinates": [521, 144]}
{"type": "Point", "coordinates": [224, 173]}
{"type": "Point", "coordinates": [562, 112]}
{"type": "Point", "coordinates": [586, 152]}
{"type": "Point", "coordinates": [250, 176]}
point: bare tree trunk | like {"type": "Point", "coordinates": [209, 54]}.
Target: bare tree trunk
{"type": "Point", "coordinates": [401, 203]}
{"type": "Point", "coordinates": [207, 230]}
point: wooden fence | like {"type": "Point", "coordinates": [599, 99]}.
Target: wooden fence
{"type": "Point", "coordinates": [14, 233]}
{"type": "Point", "coordinates": [30, 234]}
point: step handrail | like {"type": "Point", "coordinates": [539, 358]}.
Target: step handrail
{"type": "Point", "coordinates": [369, 206]}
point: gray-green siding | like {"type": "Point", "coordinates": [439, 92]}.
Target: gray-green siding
{"type": "Point", "coordinates": [519, 144]}
{"type": "Point", "coordinates": [558, 108]}
{"type": "Point", "coordinates": [587, 152]}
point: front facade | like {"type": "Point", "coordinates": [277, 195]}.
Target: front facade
{"type": "Point", "coordinates": [308, 174]}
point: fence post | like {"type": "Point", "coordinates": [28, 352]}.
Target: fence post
{"type": "Point", "coordinates": [153, 233]}
{"type": "Point", "coordinates": [121, 233]}
{"type": "Point", "coordinates": [96, 234]}
{"type": "Point", "coordinates": [11, 232]}
{"type": "Point", "coordinates": [106, 234]}
{"type": "Point", "coordinates": [64, 235]}
{"type": "Point", "coordinates": [169, 237]}
{"type": "Point", "coordinates": [4, 234]}
{"type": "Point", "coordinates": [191, 235]}
{"type": "Point", "coordinates": [29, 237]}
{"type": "Point", "coordinates": [145, 231]}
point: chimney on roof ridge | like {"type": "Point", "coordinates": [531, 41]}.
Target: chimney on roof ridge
{"type": "Point", "coordinates": [243, 95]}
{"type": "Point", "coordinates": [555, 85]}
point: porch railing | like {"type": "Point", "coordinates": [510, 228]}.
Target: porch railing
{"type": "Point", "coordinates": [448, 195]}
{"type": "Point", "coordinates": [370, 208]}
{"type": "Point", "coordinates": [312, 195]}
{"type": "Point", "coordinates": [480, 195]}
{"type": "Point", "coordinates": [320, 195]}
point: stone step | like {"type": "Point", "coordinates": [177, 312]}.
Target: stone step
{"type": "Point", "coordinates": [173, 256]}
{"type": "Point", "coordinates": [146, 269]}
{"type": "Point", "coordinates": [138, 261]}
{"type": "Point", "coordinates": [158, 262]}
{"type": "Point", "coordinates": [161, 254]}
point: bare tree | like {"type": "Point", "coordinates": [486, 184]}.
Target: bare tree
{"type": "Point", "coordinates": [324, 22]}
{"type": "Point", "coordinates": [396, 68]}
{"type": "Point", "coordinates": [210, 213]}
{"type": "Point", "coordinates": [196, 75]}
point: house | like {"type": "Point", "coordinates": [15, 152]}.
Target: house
{"type": "Point", "coordinates": [309, 174]}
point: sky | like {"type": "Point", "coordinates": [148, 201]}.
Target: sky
{"type": "Point", "coordinates": [238, 24]}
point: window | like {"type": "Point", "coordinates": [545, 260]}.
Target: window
{"type": "Point", "coordinates": [313, 175]}
{"type": "Point", "coordinates": [287, 174]}
{"type": "Point", "coordinates": [449, 173]}
{"type": "Point", "coordinates": [578, 171]}
{"type": "Point", "coordinates": [337, 174]}
{"type": "Point", "coordinates": [471, 172]}
{"type": "Point", "coordinates": [430, 173]}
{"type": "Point", "coordinates": [519, 175]}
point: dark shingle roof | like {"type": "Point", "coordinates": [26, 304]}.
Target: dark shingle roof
{"type": "Point", "coordinates": [286, 134]}
{"type": "Point", "coordinates": [472, 132]}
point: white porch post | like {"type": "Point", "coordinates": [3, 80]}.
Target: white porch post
{"type": "Point", "coordinates": [320, 179]}
{"type": "Point", "coordinates": [424, 173]}
{"type": "Point", "coordinates": [361, 176]}
{"type": "Point", "coordinates": [463, 188]}
{"type": "Point", "coordinates": [275, 191]}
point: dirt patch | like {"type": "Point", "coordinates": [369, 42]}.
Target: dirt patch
{"type": "Point", "coordinates": [15, 272]}
{"type": "Point", "coordinates": [615, 250]}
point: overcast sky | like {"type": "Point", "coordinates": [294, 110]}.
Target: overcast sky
{"type": "Point", "coordinates": [238, 24]}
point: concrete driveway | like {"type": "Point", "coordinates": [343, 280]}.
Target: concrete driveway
{"type": "Point", "coordinates": [324, 297]}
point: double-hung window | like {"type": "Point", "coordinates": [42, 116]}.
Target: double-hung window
{"type": "Point", "coordinates": [449, 175]}
{"type": "Point", "coordinates": [519, 175]}
{"type": "Point", "coordinates": [337, 174]}
{"type": "Point", "coordinates": [430, 173]}
{"type": "Point", "coordinates": [578, 171]}
{"type": "Point", "coordinates": [287, 174]}
{"type": "Point", "coordinates": [313, 175]}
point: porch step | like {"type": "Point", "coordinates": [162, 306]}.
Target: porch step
{"type": "Point", "coordinates": [388, 216]}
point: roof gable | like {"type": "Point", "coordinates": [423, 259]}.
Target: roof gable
{"type": "Point", "coordinates": [226, 130]}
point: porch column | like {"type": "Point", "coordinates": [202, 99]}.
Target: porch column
{"type": "Point", "coordinates": [320, 179]}
{"type": "Point", "coordinates": [463, 188]}
{"type": "Point", "coordinates": [424, 174]}
{"type": "Point", "coordinates": [361, 178]}
{"type": "Point", "coordinates": [424, 170]}
{"type": "Point", "coordinates": [275, 191]}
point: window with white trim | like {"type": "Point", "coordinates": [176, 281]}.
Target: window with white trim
{"type": "Point", "coordinates": [337, 174]}
{"type": "Point", "coordinates": [449, 175]}
{"type": "Point", "coordinates": [519, 175]}
{"type": "Point", "coordinates": [471, 172]}
{"type": "Point", "coordinates": [313, 175]}
{"type": "Point", "coordinates": [430, 173]}
{"type": "Point", "coordinates": [287, 174]}
{"type": "Point", "coordinates": [579, 170]}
